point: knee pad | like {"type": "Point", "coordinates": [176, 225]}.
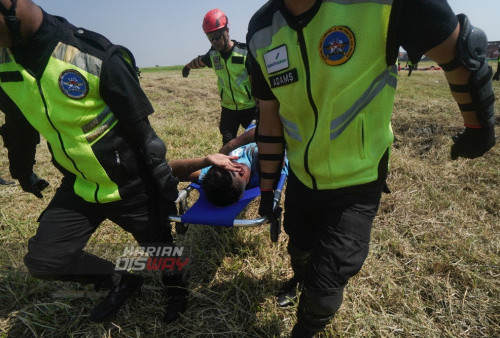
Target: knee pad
{"type": "Point", "coordinates": [317, 307]}
{"type": "Point", "coordinates": [298, 258]}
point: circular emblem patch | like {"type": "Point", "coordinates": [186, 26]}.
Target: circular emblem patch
{"type": "Point", "coordinates": [337, 45]}
{"type": "Point", "coordinates": [73, 84]}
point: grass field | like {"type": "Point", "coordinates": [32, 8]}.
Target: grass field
{"type": "Point", "coordinates": [433, 269]}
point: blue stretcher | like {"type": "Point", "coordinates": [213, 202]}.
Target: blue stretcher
{"type": "Point", "coordinates": [204, 213]}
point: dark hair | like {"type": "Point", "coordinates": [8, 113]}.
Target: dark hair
{"type": "Point", "coordinates": [220, 188]}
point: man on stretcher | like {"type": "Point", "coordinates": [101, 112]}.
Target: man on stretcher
{"type": "Point", "coordinates": [223, 177]}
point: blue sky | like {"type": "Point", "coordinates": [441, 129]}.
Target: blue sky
{"type": "Point", "coordinates": [168, 32]}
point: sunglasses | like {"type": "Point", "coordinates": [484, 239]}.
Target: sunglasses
{"type": "Point", "coordinates": [215, 36]}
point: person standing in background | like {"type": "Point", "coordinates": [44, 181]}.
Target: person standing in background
{"type": "Point", "coordinates": [228, 58]}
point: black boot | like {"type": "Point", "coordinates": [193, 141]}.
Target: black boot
{"type": "Point", "coordinates": [125, 285]}
{"type": "Point", "coordinates": [176, 292]}
{"type": "Point", "coordinates": [287, 295]}
{"type": "Point", "coordinates": [301, 332]}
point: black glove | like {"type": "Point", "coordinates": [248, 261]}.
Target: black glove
{"type": "Point", "coordinates": [266, 204]}
{"type": "Point", "coordinates": [472, 142]}
{"type": "Point", "coordinates": [185, 71]}
{"type": "Point", "coordinates": [33, 184]}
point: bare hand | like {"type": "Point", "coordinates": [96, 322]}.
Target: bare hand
{"type": "Point", "coordinates": [224, 161]}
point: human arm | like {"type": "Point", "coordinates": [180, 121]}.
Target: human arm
{"type": "Point", "coordinates": [189, 169]}
{"type": "Point", "coordinates": [430, 27]}
{"type": "Point", "coordinates": [469, 78]}
{"type": "Point", "coordinates": [21, 139]}
{"type": "Point", "coordinates": [245, 138]}
{"type": "Point", "coordinates": [198, 62]}
{"type": "Point", "coordinates": [120, 89]}
{"type": "Point", "coordinates": [271, 146]}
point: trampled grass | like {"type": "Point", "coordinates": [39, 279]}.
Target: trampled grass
{"type": "Point", "coordinates": [433, 269]}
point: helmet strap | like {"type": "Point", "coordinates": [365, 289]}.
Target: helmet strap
{"type": "Point", "coordinates": [226, 41]}
{"type": "Point", "coordinates": [12, 22]}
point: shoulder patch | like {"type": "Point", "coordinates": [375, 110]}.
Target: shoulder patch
{"type": "Point", "coordinates": [337, 45]}
{"type": "Point", "coordinates": [73, 84]}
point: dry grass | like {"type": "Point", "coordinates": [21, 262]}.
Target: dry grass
{"type": "Point", "coordinates": [433, 269]}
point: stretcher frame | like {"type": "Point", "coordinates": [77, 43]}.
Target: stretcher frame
{"type": "Point", "coordinates": [187, 215]}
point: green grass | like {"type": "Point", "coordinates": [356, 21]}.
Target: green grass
{"type": "Point", "coordinates": [161, 69]}
{"type": "Point", "coordinates": [433, 268]}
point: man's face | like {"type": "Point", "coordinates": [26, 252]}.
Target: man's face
{"type": "Point", "coordinates": [218, 39]}
{"type": "Point", "coordinates": [242, 176]}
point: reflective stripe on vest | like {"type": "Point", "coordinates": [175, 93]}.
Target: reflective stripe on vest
{"type": "Point", "coordinates": [70, 124]}
{"type": "Point", "coordinates": [335, 90]}
{"type": "Point", "coordinates": [233, 80]}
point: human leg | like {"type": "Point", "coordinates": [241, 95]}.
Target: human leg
{"type": "Point", "coordinates": [229, 124]}
{"type": "Point", "coordinates": [341, 248]}
{"type": "Point", "coordinates": [56, 252]}
{"type": "Point", "coordinates": [497, 74]}
{"type": "Point", "coordinates": [139, 215]}
{"type": "Point", "coordinates": [300, 227]}
{"type": "Point", "coordinates": [247, 116]}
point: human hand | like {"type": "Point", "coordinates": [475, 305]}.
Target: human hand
{"type": "Point", "coordinates": [166, 185]}
{"type": "Point", "coordinates": [166, 208]}
{"type": "Point", "coordinates": [185, 71]}
{"type": "Point", "coordinates": [266, 204]}
{"type": "Point", "coordinates": [472, 142]}
{"type": "Point", "coordinates": [224, 161]}
{"type": "Point", "coordinates": [33, 184]}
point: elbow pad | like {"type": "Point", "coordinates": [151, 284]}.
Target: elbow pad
{"type": "Point", "coordinates": [161, 172]}
{"type": "Point", "coordinates": [155, 151]}
{"type": "Point", "coordinates": [471, 49]}
{"type": "Point", "coordinates": [277, 158]}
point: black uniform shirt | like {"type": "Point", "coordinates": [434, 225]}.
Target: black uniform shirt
{"type": "Point", "coordinates": [416, 25]}
{"type": "Point", "coordinates": [120, 87]}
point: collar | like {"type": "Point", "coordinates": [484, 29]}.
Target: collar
{"type": "Point", "coordinates": [300, 21]}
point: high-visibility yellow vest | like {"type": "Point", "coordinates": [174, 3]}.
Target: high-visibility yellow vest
{"type": "Point", "coordinates": [65, 106]}
{"type": "Point", "coordinates": [233, 80]}
{"type": "Point", "coordinates": [335, 90]}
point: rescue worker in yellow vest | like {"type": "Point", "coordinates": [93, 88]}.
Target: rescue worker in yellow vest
{"type": "Point", "coordinates": [334, 115]}
{"type": "Point", "coordinates": [82, 94]}
{"type": "Point", "coordinates": [497, 74]}
{"type": "Point", "coordinates": [228, 58]}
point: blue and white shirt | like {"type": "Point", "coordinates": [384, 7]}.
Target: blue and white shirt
{"type": "Point", "coordinates": [247, 155]}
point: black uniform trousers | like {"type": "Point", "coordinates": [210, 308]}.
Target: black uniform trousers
{"type": "Point", "coordinates": [56, 252]}
{"type": "Point", "coordinates": [333, 227]}
{"type": "Point", "coordinates": [230, 121]}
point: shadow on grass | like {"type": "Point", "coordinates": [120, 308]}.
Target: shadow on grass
{"type": "Point", "coordinates": [225, 299]}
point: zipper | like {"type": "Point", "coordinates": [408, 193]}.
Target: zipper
{"type": "Point", "coordinates": [303, 51]}
{"type": "Point", "coordinates": [230, 87]}
{"type": "Point", "coordinates": [117, 157]}
{"type": "Point", "coordinates": [59, 136]}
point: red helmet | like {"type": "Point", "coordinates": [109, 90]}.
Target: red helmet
{"type": "Point", "coordinates": [214, 20]}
